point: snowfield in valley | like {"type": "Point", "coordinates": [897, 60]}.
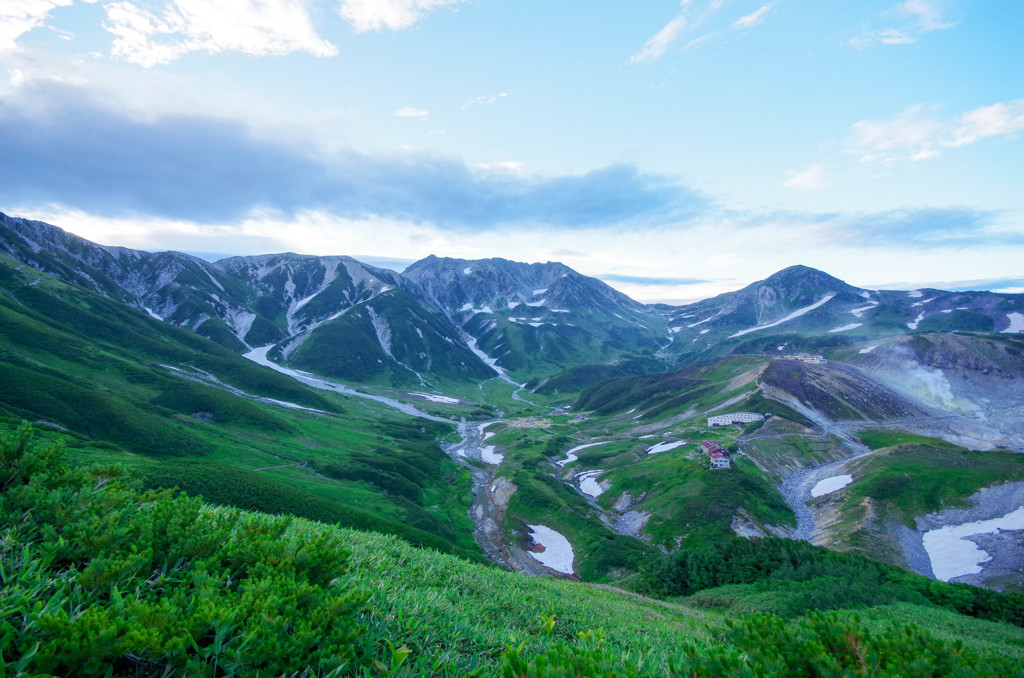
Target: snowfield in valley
{"type": "Point", "coordinates": [953, 555]}
{"type": "Point", "coordinates": [830, 485]}
{"type": "Point", "coordinates": [557, 552]}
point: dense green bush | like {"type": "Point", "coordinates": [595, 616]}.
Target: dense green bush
{"type": "Point", "coordinates": [246, 489]}
{"type": "Point", "coordinates": [791, 577]}
{"type": "Point", "coordinates": [832, 646]}
{"type": "Point", "coordinates": [100, 579]}
{"type": "Point", "coordinates": [763, 646]}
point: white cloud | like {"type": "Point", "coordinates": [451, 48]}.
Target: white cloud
{"type": "Point", "coordinates": [912, 134]}
{"type": "Point", "coordinates": [18, 17]}
{"type": "Point", "coordinates": [410, 112]}
{"type": "Point", "coordinates": [752, 19]}
{"type": "Point", "coordinates": [690, 18]}
{"type": "Point", "coordinates": [658, 44]}
{"type": "Point", "coordinates": [373, 15]}
{"type": "Point", "coordinates": [988, 121]}
{"type": "Point", "coordinates": [810, 178]}
{"type": "Point", "coordinates": [255, 27]}
{"type": "Point", "coordinates": [485, 100]}
{"type": "Point", "coordinates": [927, 13]}
{"type": "Point", "coordinates": [920, 133]}
{"type": "Point", "coordinates": [503, 166]}
{"type": "Point", "coordinates": [758, 245]}
{"type": "Point", "coordinates": [915, 18]}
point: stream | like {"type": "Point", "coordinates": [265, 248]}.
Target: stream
{"type": "Point", "coordinates": [469, 452]}
{"type": "Point", "coordinates": [490, 496]}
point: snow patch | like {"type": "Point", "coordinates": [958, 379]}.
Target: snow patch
{"type": "Point", "coordinates": [829, 485]}
{"type": "Point", "coordinates": [557, 553]}
{"type": "Point", "coordinates": [1016, 323]}
{"type": "Point", "coordinates": [536, 303]}
{"type": "Point", "coordinates": [665, 446]}
{"type": "Point", "coordinates": [434, 398]}
{"type": "Point", "coordinates": [488, 360]}
{"type": "Point", "coordinates": [858, 312]}
{"type": "Point", "coordinates": [588, 483]}
{"type": "Point", "coordinates": [916, 321]}
{"type": "Point", "coordinates": [259, 356]}
{"type": "Point", "coordinates": [570, 456]}
{"type": "Point", "coordinates": [241, 321]}
{"type": "Point", "coordinates": [915, 294]}
{"type": "Point", "coordinates": [953, 555]}
{"type": "Point", "coordinates": [868, 349]}
{"type": "Point", "coordinates": [467, 270]}
{"type": "Point", "coordinates": [152, 314]}
{"type": "Point", "coordinates": [795, 314]}
{"type": "Point", "coordinates": [851, 326]}
{"type": "Point", "coordinates": [540, 291]}
{"type": "Point", "coordinates": [489, 456]}
{"type": "Point", "coordinates": [701, 322]}
{"type": "Point", "coordinates": [383, 330]}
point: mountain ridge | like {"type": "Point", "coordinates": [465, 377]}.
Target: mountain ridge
{"type": "Point", "coordinates": [534, 321]}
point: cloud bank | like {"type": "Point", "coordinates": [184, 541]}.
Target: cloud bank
{"type": "Point", "coordinates": [75, 151]}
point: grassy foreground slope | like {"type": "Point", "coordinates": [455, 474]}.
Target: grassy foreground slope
{"type": "Point", "coordinates": [100, 579]}
{"type": "Point", "coordinates": [182, 411]}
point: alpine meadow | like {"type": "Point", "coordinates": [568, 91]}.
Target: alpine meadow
{"type": "Point", "coordinates": [369, 338]}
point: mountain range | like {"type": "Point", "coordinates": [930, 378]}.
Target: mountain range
{"type": "Point", "coordinates": [445, 320]}
{"type": "Point", "coordinates": [557, 400]}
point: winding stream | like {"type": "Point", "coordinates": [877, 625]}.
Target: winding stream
{"type": "Point", "coordinates": [470, 448]}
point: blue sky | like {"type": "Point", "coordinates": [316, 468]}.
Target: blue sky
{"type": "Point", "coordinates": [674, 149]}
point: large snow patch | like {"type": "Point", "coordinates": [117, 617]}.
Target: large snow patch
{"type": "Point", "coordinates": [557, 553]}
{"type": "Point", "coordinates": [953, 555]}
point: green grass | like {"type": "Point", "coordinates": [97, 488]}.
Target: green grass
{"type": "Point", "coordinates": [133, 585]}
{"type": "Point", "coordinates": [134, 390]}
{"type": "Point", "coordinates": [915, 479]}
{"type": "Point", "coordinates": [878, 439]}
{"type": "Point", "coordinates": [693, 504]}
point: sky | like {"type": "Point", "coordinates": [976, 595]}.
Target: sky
{"type": "Point", "coordinates": [675, 150]}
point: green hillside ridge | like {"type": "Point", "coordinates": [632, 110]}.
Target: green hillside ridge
{"type": "Point", "coordinates": [390, 340]}
{"type": "Point", "coordinates": [131, 389]}
{"type": "Point", "coordinates": [100, 579]}
{"type": "Point", "coordinates": [911, 476]}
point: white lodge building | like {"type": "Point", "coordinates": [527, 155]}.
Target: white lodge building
{"type": "Point", "coordinates": [734, 418]}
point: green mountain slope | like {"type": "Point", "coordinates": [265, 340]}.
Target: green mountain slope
{"type": "Point", "coordinates": [130, 584]}
{"type": "Point", "coordinates": [391, 340]}
{"type": "Point", "coordinates": [187, 412]}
